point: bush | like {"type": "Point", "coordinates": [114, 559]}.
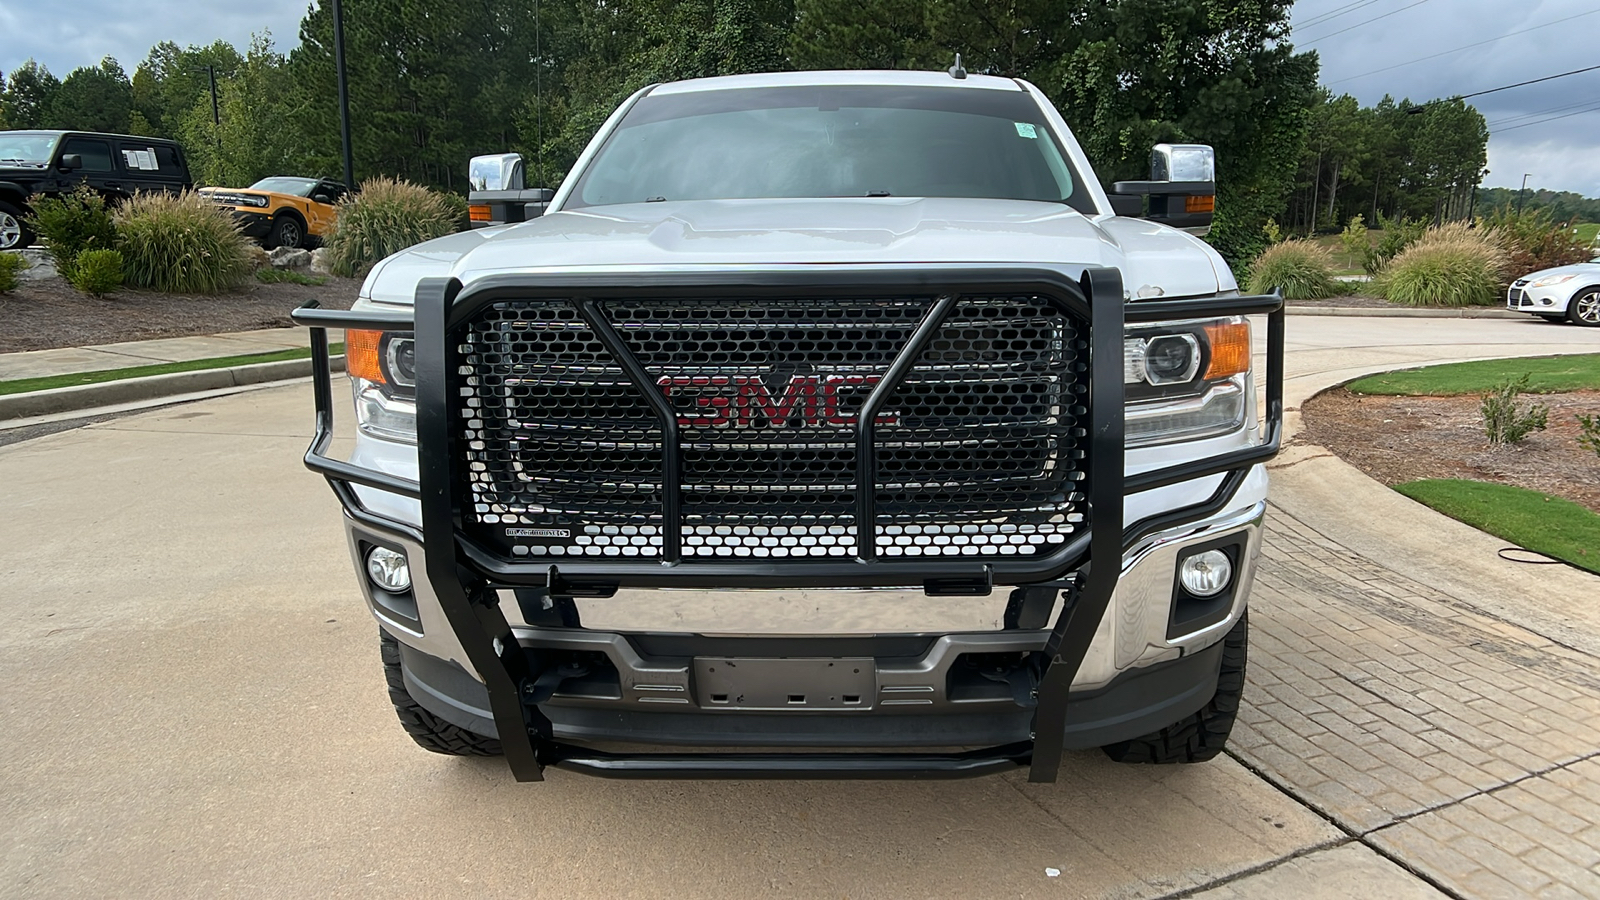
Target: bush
{"type": "Point", "coordinates": [181, 243]}
{"type": "Point", "coordinates": [1503, 421]}
{"type": "Point", "coordinates": [1398, 234]}
{"type": "Point", "coordinates": [1589, 432]}
{"type": "Point", "coordinates": [97, 272]}
{"type": "Point", "coordinates": [72, 223]}
{"type": "Point", "coordinates": [1450, 266]}
{"type": "Point", "coordinates": [385, 217]}
{"type": "Point", "coordinates": [1534, 241]}
{"type": "Point", "coordinates": [11, 266]}
{"type": "Point", "coordinates": [1303, 270]}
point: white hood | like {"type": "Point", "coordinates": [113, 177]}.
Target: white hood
{"type": "Point", "coordinates": [862, 231]}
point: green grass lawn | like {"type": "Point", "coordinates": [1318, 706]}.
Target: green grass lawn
{"type": "Point", "coordinates": [25, 385]}
{"type": "Point", "coordinates": [1548, 525]}
{"type": "Point", "coordinates": [1548, 375]}
{"type": "Point", "coordinates": [1588, 232]}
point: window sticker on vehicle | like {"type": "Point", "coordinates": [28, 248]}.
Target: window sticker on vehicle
{"type": "Point", "coordinates": [1026, 130]}
{"type": "Point", "coordinates": [144, 160]}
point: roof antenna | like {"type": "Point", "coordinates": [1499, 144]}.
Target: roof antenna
{"type": "Point", "coordinates": [956, 71]}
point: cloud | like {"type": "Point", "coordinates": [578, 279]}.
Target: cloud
{"type": "Point", "coordinates": [1559, 153]}
{"type": "Point", "coordinates": [73, 33]}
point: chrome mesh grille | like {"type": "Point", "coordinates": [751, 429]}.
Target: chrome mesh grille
{"type": "Point", "coordinates": [978, 451]}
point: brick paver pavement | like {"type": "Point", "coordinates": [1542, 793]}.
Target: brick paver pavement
{"type": "Point", "coordinates": [1459, 745]}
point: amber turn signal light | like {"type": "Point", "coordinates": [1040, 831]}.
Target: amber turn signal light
{"type": "Point", "coordinates": [361, 355]}
{"type": "Point", "coordinates": [1230, 349]}
{"type": "Point", "coordinates": [1200, 203]}
{"type": "Point", "coordinates": [478, 213]}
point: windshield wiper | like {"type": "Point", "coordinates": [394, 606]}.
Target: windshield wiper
{"type": "Point", "coordinates": [878, 194]}
{"type": "Point", "coordinates": [655, 199]}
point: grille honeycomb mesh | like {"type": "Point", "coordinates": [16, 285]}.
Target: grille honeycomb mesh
{"type": "Point", "coordinates": [978, 452]}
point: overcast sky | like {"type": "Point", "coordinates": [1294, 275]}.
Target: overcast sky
{"type": "Point", "coordinates": [1364, 36]}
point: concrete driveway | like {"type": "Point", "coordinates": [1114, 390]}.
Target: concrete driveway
{"type": "Point", "coordinates": [193, 706]}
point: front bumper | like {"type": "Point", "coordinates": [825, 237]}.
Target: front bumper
{"type": "Point", "coordinates": [546, 684]}
{"type": "Point", "coordinates": [252, 224]}
{"type": "Point", "coordinates": [1550, 300]}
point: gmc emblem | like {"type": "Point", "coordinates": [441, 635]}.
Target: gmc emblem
{"type": "Point", "coordinates": [743, 400]}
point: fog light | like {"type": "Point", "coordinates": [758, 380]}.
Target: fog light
{"type": "Point", "coordinates": [1206, 574]}
{"type": "Point", "coordinates": [388, 570]}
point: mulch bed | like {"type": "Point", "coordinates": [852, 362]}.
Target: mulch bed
{"type": "Point", "coordinates": [42, 315]}
{"type": "Point", "coordinates": [1400, 439]}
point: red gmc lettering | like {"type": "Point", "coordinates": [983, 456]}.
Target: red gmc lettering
{"type": "Point", "coordinates": [740, 400]}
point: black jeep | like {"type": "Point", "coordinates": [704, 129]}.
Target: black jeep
{"type": "Point", "coordinates": [50, 162]}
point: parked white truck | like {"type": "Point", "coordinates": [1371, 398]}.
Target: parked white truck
{"type": "Point", "coordinates": [822, 424]}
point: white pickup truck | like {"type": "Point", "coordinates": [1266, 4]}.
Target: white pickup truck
{"type": "Point", "coordinates": [821, 424]}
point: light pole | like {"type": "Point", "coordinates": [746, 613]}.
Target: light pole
{"type": "Point", "coordinates": [344, 93]}
{"type": "Point", "coordinates": [216, 116]}
{"type": "Point", "coordinates": [1522, 192]}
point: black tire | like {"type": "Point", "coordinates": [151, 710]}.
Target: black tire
{"type": "Point", "coordinates": [1202, 736]}
{"type": "Point", "coordinates": [14, 232]}
{"type": "Point", "coordinates": [428, 730]}
{"type": "Point", "coordinates": [1584, 307]}
{"type": "Point", "coordinates": [287, 231]}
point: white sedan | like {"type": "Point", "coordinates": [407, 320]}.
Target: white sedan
{"type": "Point", "coordinates": [1565, 292]}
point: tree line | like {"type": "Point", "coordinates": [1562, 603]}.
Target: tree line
{"type": "Point", "coordinates": [433, 82]}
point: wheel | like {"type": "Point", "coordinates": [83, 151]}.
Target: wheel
{"type": "Point", "coordinates": [1201, 736]}
{"type": "Point", "coordinates": [14, 235]}
{"type": "Point", "coordinates": [428, 730]}
{"type": "Point", "coordinates": [1584, 307]}
{"type": "Point", "coordinates": [286, 232]}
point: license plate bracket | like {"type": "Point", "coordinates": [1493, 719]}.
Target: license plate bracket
{"type": "Point", "coordinates": [753, 683]}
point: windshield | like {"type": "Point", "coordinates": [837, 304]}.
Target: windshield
{"type": "Point", "coordinates": [33, 147]}
{"type": "Point", "coordinates": [300, 187]}
{"type": "Point", "coordinates": [857, 141]}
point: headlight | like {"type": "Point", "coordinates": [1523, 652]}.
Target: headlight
{"type": "Point", "coordinates": [1552, 279]}
{"type": "Point", "coordinates": [252, 200]}
{"type": "Point", "coordinates": [1185, 380]}
{"type": "Point", "coordinates": [382, 366]}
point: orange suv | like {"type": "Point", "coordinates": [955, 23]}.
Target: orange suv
{"type": "Point", "coordinates": [283, 211]}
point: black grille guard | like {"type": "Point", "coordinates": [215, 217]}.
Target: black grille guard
{"type": "Point", "coordinates": [465, 578]}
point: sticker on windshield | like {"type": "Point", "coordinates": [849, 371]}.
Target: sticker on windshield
{"type": "Point", "coordinates": [1026, 130]}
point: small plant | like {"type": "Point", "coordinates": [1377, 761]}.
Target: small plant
{"type": "Point", "coordinates": [181, 243]}
{"type": "Point", "coordinates": [97, 272]}
{"type": "Point", "coordinates": [287, 276]}
{"type": "Point", "coordinates": [1301, 269]}
{"type": "Point", "coordinates": [11, 266]}
{"type": "Point", "coordinates": [387, 216]}
{"type": "Point", "coordinates": [1354, 240]}
{"type": "Point", "coordinates": [1398, 234]}
{"type": "Point", "coordinates": [1589, 432]}
{"type": "Point", "coordinates": [1504, 420]}
{"type": "Point", "coordinates": [72, 223]}
{"type": "Point", "coordinates": [1273, 232]}
{"type": "Point", "coordinates": [1452, 265]}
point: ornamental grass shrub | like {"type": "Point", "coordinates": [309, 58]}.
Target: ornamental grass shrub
{"type": "Point", "coordinates": [72, 223]}
{"type": "Point", "coordinates": [97, 272]}
{"type": "Point", "coordinates": [1301, 269]}
{"type": "Point", "coordinates": [385, 217]}
{"type": "Point", "coordinates": [181, 243]}
{"type": "Point", "coordinates": [11, 266]}
{"type": "Point", "coordinates": [1452, 265]}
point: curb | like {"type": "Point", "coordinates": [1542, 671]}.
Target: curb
{"type": "Point", "coordinates": [1482, 312]}
{"type": "Point", "coordinates": [133, 390]}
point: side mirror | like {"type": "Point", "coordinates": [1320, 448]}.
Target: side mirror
{"type": "Point", "coordinates": [499, 172]}
{"type": "Point", "coordinates": [322, 198]}
{"type": "Point", "coordinates": [70, 162]}
{"type": "Point", "coordinates": [1182, 187]}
